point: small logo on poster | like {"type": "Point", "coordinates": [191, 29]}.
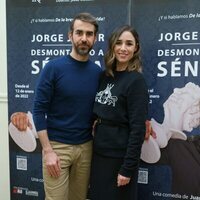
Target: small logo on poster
{"type": "Point", "coordinates": [31, 193]}
{"type": "Point", "coordinates": [17, 190]}
{"type": "Point", "coordinates": [36, 1]}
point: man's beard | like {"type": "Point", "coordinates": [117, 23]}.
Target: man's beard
{"type": "Point", "coordinates": [83, 51]}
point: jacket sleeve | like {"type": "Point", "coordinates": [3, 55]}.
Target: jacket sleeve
{"type": "Point", "coordinates": [137, 108]}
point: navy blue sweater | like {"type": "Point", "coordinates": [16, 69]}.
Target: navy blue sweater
{"type": "Point", "coordinates": [64, 99]}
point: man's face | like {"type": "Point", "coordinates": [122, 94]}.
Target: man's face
{"type": "Point", "coordinates": [82, 38]}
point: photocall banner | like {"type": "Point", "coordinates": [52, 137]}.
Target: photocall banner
{"type": "Point", "coordinates": [170, 39]}
{"type": "Point", "coordinates": [36, 33]}
{"type": "Point", "coordinates": [169, 36]}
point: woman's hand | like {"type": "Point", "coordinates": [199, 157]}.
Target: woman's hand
{"type": "Point", "coordinates": [122, 180]}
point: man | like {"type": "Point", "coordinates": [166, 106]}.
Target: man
{"type": "Point", "coordinates": [62, 114]}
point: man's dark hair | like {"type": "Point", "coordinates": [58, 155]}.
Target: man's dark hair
{"type": "Point", "coordinates": [85, 17]}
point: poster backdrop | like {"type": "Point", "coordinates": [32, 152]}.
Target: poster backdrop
{"type": "Point", "coordinates": [169, 34]}
{"type": "Point", "coordinates": [37, 32]}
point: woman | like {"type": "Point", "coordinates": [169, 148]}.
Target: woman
{"type": "Point", "coordinates": [121, 109]}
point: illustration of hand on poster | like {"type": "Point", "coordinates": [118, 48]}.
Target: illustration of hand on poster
{"type": "Point", "coordinates": [26, 137]}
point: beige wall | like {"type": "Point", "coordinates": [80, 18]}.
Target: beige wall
{"type": "Point", "coordinates": [4, 154]}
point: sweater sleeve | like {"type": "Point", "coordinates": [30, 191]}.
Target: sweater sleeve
{"type": "Point", "coordinates": [43, 96]}
{"type": "Point", "coordinates": [137, 106]}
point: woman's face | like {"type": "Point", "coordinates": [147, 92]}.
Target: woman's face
{"type": "Point", "coordinates": [125, 48]}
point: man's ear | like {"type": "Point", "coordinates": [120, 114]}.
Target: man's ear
{"type": "Point", "coordinates": [96, 36]}
{"type": "Point", "coordinates": [69, 35]}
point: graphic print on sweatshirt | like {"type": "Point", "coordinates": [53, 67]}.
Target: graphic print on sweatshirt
{"type": "Point", "coordinates": [105, 96]}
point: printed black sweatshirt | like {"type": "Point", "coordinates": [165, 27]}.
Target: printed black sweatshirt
{"type": "Point", "coordinates": [121, 106]}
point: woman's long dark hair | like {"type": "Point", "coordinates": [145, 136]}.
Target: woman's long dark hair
{"type": "Point", "coordinates": [110, 59]}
